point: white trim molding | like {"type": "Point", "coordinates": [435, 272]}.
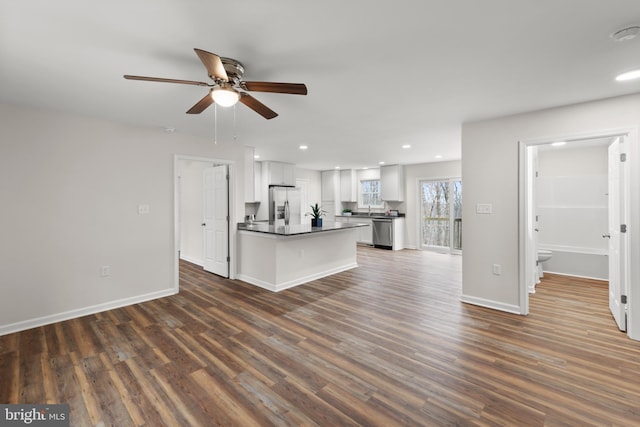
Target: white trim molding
{"type": "Point", "coordinates": [72, 314]}
{"type": "Point", "coordinates": [495, 305]}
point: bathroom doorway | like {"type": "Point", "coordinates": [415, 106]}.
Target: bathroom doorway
{"type": "Point", "coordinates": [566, 204]}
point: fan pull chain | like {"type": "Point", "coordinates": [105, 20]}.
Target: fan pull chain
{"type": "Point", "coordinates": [235, 130]}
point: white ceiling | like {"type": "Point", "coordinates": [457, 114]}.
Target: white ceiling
{"type": "Point", "coordinates": [379, 74]}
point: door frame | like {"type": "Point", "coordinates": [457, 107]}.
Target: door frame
{"type": "Point", "coordinates": [633, 157]}
{"type": "Point", "coordinates": [176, 212]}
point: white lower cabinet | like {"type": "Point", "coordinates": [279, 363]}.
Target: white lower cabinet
{"type": "Point", "coordinates": [365, 234]}
{"type": "Point", "coordinates": [398, 234]}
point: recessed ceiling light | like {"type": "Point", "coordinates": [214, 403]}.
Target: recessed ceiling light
{"type": "Point", "coordinates": [303, 147]}
{"type": "Point", "coordinates": [559, 143]}
{"type": "Point", "coordinates": [337, 167]}
{"type": "Point", "coordinates": [381, 163]}
{"type": "Point", "coordinates": [256, 156]}
{"type": "Point", "coordinates": [365, 168]}
{"type": "Point", "coordinates": [406, 146]}
{"type": "Point", "coordinates": [439, 156]}
{"type": "Point", "coordinates": [630, 75]}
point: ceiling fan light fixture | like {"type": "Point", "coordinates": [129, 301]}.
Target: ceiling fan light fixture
{"type": "Point", "coordinates": [225, 95]}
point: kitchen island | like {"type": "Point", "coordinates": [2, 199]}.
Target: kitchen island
{"type": "Point", "coordinates": [277, 257]}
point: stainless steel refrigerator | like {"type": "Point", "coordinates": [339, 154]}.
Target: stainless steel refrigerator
{"type": "Point", "coordinates": [284, 201]}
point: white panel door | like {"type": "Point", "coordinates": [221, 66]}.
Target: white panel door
{"type": "Point", "coordinates": [617, 283]}
{"type": "Point", "coordinates": [216, 220]}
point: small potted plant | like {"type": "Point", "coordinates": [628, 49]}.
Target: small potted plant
{"type": "Point", "coordinates": [316, 215]}
{"type": "Point", "coordinates": [346, 212]}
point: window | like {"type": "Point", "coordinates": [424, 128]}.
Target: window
{"type": "Point", "coordinates": [370, 194]}
{"type": "Point", "coordinates": [441, 209]}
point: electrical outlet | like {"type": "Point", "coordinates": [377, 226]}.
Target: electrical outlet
{"type": "Point", "coordinates": [143, 209]}
{"type": "Point", "coordinates": [105, 271]}
{"type": "Point", "coordinates": [497, 269]}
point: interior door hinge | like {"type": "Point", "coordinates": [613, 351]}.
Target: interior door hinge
{"type": "Point", "coordinates": [229, 260]}
{"type": "Point", "coordinates": [623, 157]}
{"type": "Point", "coordinates": [623, 228]}
{"type": "Point", "coordinates": [623, 299]}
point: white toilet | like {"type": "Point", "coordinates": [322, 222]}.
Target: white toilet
{"type": "Point", "coordinates": [543, 256]}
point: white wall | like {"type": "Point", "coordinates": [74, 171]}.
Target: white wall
{"type": "Point", "coordinates": [490, 175]}
{"type": "Point", "coordinates": [70, 187]}
{"type": "Point", "coordinates": [413, 174]}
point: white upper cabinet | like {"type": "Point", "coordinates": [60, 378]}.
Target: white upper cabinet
{"type": "Point", "coordinates": [348, 186]}
{"type": "Point", "coordinates": [278, 173]}
{"type": "Point", "coordinates": [392, 183]}
{"type": "Point", "coordinates": [330, 185]}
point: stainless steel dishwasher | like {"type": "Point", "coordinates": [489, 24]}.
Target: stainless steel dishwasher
{"type": "Point", "coordinates": [383, 233]}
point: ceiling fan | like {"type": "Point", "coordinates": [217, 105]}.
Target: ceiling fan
{"type": "Point", "coordinates": [227, 87]}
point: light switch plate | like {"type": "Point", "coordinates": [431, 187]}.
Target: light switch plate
{"type": "Point", "coordinates": [497, 269]}
{"type": "Point", "coordinates": [484, 208]}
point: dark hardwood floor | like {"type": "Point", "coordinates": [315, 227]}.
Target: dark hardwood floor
{"type": "Point", "coordinates": [386, 344]}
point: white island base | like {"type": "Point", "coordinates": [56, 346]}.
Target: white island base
{"type": "Point", "coordinates": [277, 262]}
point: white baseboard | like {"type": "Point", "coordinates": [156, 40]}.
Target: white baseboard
{"type": "Point", "coordinates": [495, 305]}
{"type": "Point", "coordinates": [576, 275]}
{"type": "Point", "coordinates": [73, 314]}
{"type": "Point", "coordinates": [290, 284]}
{"type": "Point", "coordinates": [187, 258]}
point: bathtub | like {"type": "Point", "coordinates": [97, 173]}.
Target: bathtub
{"type": "Point", "coordinates": [590, 263]}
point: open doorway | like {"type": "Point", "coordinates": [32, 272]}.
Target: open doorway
{"type": "Point", "coordinates": [203, 214]}
{"type": "Point", "coordinates": [573, 200]}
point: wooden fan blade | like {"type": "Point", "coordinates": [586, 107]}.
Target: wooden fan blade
{"type": "Point", "coordinates": [213, 63]}
{"type": "Point", "coordinates": [257, 106]}
{"type": "Point", "coordinates": [159, 79]}
{"type": "Point", "coordinates": [201, 105]}
{"type": "Point", "coordinates": [292, 88]}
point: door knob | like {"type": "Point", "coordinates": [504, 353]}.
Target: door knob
{"type": "Point", "coordinates": [204, 224]}
{"type": "Point", "coordinates": [606, 236]}
{"type": "Point", "coordinates": [535, 229]}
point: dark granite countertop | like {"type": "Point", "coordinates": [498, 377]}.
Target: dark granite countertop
{"type": "Point", "coordinates": [295, 229]}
